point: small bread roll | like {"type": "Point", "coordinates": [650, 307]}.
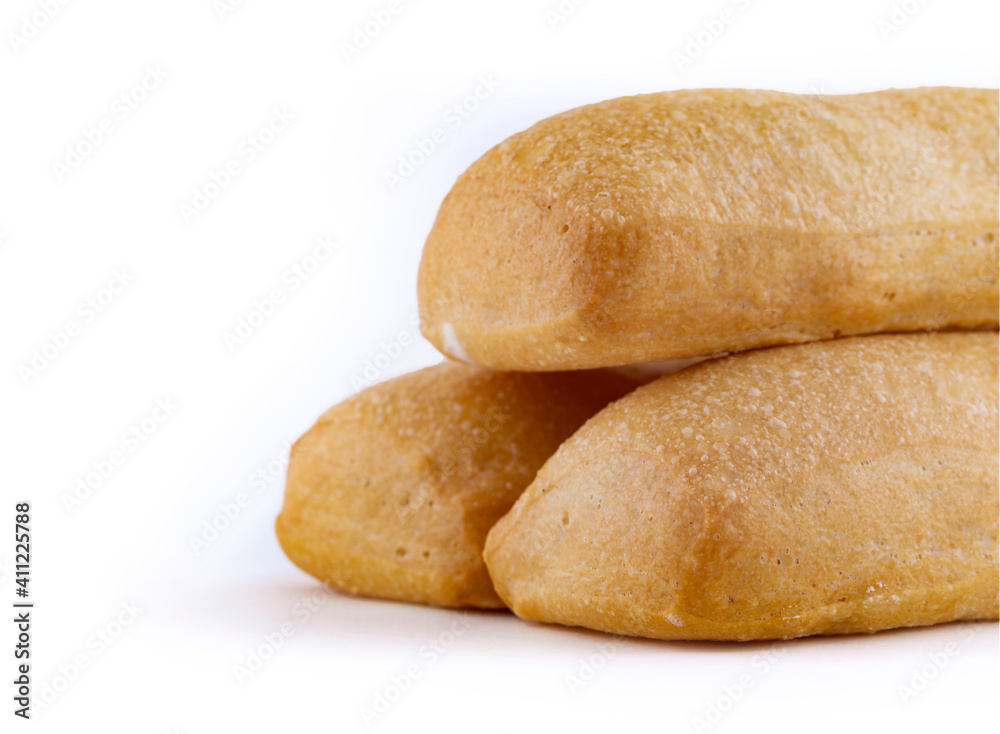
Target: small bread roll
{"type": "Point", "coordinates": [830, 488]}
{"type": "Point", "coordinates": [694, 223]}
{"type": "Point", "coordinates": [392, 492]}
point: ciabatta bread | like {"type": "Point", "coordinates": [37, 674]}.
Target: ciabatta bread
{"type": "Point", "coordinates": [835, 487]}
{"type": "Point", "coordinates": [693, 223]}
{"type": "Point", "coordinates": [392, 492]}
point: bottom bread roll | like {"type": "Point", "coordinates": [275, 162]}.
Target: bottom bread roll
{"type": "Point", "coordinates": [392, 492]}
{"type": "Point", "coordinates": [836, 487]}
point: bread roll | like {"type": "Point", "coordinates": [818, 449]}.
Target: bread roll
{"type": "Point", "coordinates": [835, 487]}
{"type": "Point", "coordinates": [694, 223]}
{"type": "Point", "coordinates": [392, 492]}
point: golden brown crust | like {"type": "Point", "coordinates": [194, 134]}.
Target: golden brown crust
{"type": "Point", "coordinates": [392, 492]}
{"type": "Point", "coordinates": [836, 487]}
{"type": "Point", "coordinates": [692, 223]}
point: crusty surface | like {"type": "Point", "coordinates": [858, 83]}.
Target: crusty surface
{"type": "Point", "coordinates": [835, 487]}
{"type": "Point", "coordinates": [392, 492]}
{"type": "Point", "coordinates": [691, 223]}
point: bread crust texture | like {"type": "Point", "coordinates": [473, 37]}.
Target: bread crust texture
{"type": "Point", "coordinates": [700, 222]}
{"type": "Point", "coordinates": [837, 487]}
{"type": "Point", "coordinates": [391, 493]}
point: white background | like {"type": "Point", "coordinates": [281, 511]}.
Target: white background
{"type": "Point", "coordinates": [62, 238]}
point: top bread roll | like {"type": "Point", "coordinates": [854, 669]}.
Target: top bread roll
{"type": "Point", "coordinates": [691, 223]}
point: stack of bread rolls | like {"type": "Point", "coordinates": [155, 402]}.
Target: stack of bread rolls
{"type": "Point", "coordinates": [723, 365]}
